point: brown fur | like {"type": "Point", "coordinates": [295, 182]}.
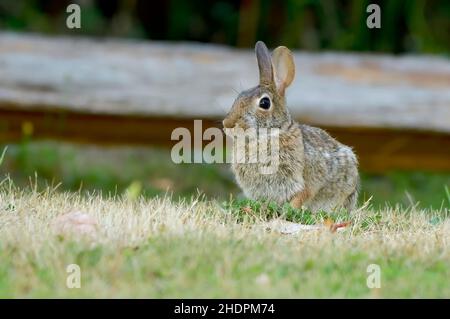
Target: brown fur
{"type": "Point", "coordinates": [314, 170]}
{"type": "Point", "coordinates": [300, 198]}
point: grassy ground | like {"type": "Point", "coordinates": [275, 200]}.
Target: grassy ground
{"type": "Point", "coordinates": [144, 243]}
{"type": "Point", "coordinates": [198, 248]}
{"type": "Point", "coordinates": [151, 172]}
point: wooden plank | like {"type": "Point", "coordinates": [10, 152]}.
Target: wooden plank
{"type": "Point", "coordinates": [395, 111]}
{"type": "Point", "coordinates": [378, 149]}
{"type": "Point", "coordinates": [200, 81]}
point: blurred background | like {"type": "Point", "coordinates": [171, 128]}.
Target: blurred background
{"type": "Point", "coordinates": [408, 27]}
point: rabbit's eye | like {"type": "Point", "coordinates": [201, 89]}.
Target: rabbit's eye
{"type": "Point", "coordinates": [264, 103]}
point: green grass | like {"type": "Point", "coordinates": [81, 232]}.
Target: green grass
{"type": "Point", "coordinates": [166, 230]}
{"type": "Point", "coordinates": [158, 248]}
{"type": "Point", "coordinates": [252, 211]}
{"type": "Point", "coordinates": [447, 192]}
{"type": "Point", "coordinates": [151, 171]}
{"type": "Point", "coordinates": [113, 170]}
{"type": "Point", "coordinates": [2, 156]}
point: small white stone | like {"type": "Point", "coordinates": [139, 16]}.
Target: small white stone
{"type": "Point", "coordinates": [75, 223]}
{"type": "Point", "coordinates": [262, 280]}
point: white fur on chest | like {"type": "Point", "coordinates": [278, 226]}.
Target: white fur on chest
{"type": "Point", "coordinates": [277, 177]}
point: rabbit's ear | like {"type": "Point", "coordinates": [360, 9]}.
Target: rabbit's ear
{"type": "Point", "coordinates": [264, 63]}
{"type": "Point", "coordinates": [284, 68]}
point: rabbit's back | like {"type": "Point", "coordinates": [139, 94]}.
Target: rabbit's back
{"type": "Point", "coordinates": [330, 169]}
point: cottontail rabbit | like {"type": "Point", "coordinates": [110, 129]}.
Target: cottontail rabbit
{"type": "Point", "coordinates": [315, 171]}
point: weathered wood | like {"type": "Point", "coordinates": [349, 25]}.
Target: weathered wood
{"type": "Point", "coordinates": [187, 80]}
{"type": "Point", "coordinates": [395, 111]}
{"type": "Point", "coordinates": [378, 150]}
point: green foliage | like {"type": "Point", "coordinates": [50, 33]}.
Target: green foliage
{"type": "Point", "coordinates": [250, 211]}
{"type": "Point", "coordinates": [2, 156]}
{"type": "Point", "coordinates": [406, 189]}
{"type": "Point", "coordinates": [406, 26]}
{"type": "Point", "coordinates": [246, 210]}
{"type": "Point", "coordinates": [447, 192]}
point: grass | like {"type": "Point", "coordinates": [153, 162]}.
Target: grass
{"type": "Point", "coordinates": [157, 247]}
{"type": "Point", "coordinates": [252, 211]}
{"type": "Point", "coordinates": [2, 156]}
{"type": "Point", "coordinates": [113, 170]}
{"type": "Point", "coordinates": [166, 230]}
{"type": "Point", "coordinates": [151, 172]}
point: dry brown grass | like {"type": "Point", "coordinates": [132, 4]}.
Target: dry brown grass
{"type": "Point", "coordinates": [161, 248]}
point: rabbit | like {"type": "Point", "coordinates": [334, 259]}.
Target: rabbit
{"type": "Point", "coordinates": [315, 171]}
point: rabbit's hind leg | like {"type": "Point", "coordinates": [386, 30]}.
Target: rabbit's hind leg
{"type": "Point", "coordinates": [325, 201]}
